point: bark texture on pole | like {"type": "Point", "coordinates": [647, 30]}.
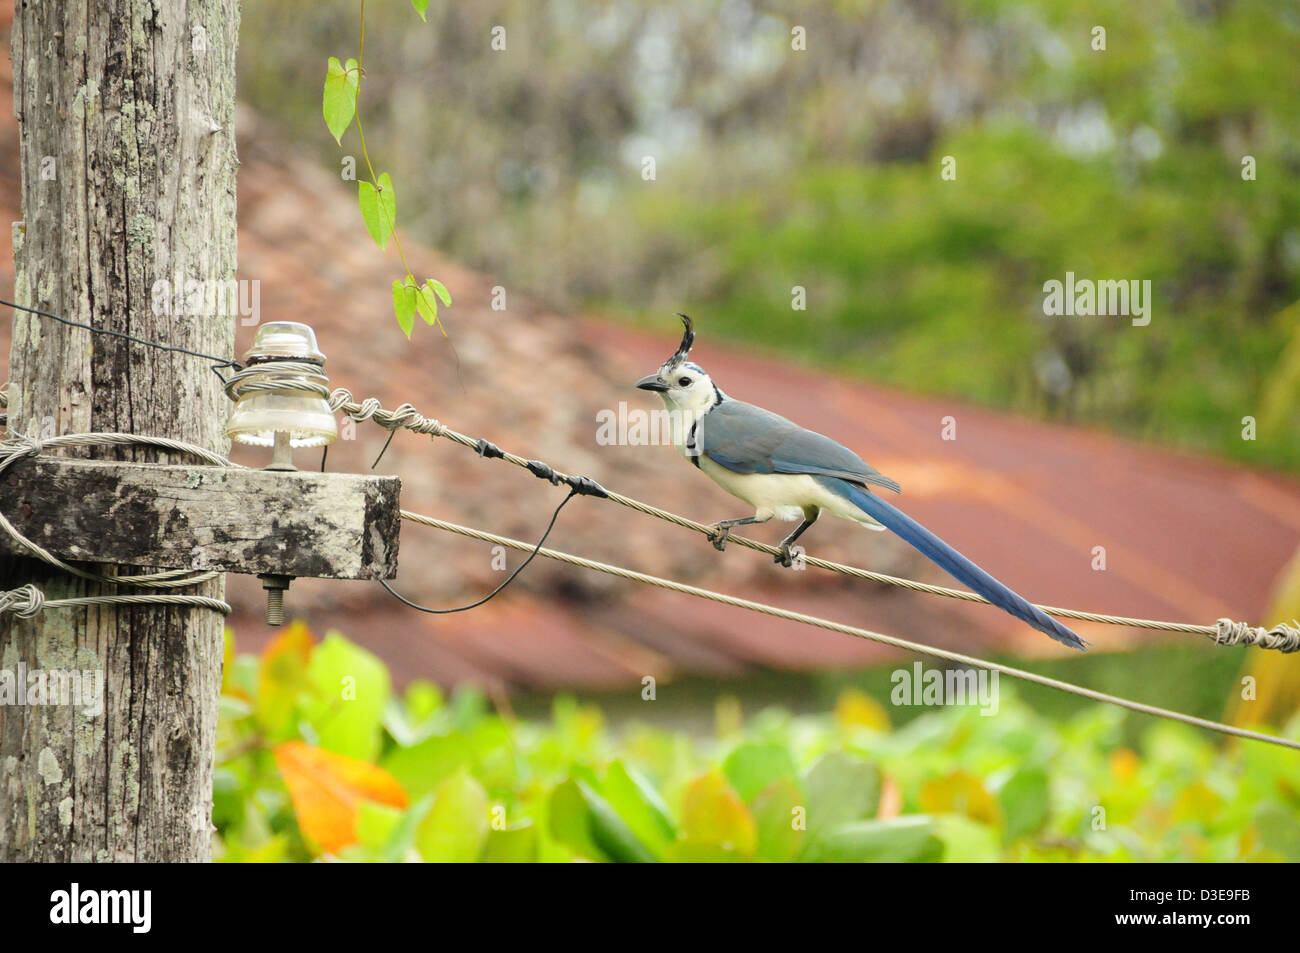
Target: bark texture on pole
{"type": "Point", "coordinates": [126, 119]}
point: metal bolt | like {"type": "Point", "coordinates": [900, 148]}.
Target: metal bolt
{"type": "Point", "coordinates": [275, 586]}
{"type": "Point", "coordinates": [282, 455]}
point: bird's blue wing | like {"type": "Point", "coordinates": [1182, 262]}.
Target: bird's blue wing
{"type": "Point", "coordinates": [748, 439]}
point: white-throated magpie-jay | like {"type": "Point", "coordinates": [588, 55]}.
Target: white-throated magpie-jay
{"type": "Point", "coordinates": [790, 473]}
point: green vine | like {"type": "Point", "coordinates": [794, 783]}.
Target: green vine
{"type": "Point", "coordinates": [376, 196]}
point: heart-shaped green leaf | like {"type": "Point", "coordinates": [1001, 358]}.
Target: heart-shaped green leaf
{"type": "Point", "coordinates": [339, 103]}
{"type": "Point", "coordinates": [378, 208]}
{"type": "Point", "coordinates": [404, 305]}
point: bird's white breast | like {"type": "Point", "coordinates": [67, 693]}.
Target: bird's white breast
{"type": "Point", "coordinates": [784, 496]}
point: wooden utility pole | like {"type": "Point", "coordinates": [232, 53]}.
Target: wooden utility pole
{"type": "Point", "coordinates": [126, 117]}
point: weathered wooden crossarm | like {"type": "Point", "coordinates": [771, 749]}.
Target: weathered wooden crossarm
{"type": "Point", "coordinates": [292, 523]}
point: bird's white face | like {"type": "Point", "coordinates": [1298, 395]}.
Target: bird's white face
{"type": "Point", "coordinates": [685, 388]}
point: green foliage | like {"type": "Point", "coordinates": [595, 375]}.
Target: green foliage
{"type": "Point", "coordinates": [376, 196]}
{"type": "Point", "coordinates": [419, 776]}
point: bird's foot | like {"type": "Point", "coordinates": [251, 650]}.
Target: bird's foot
{"type": "Point", "coordinates": [785, 557]}
{"type": "Point", "coordinates": [719, 538]}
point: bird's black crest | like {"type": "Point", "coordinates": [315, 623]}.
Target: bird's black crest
{"type": "Point", "coordinates": [688, 338]}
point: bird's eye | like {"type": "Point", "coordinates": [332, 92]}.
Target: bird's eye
{"type": "Point", "coordinates": [684, 382]}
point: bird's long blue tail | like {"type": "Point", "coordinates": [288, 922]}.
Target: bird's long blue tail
{"type": "Point", "coordinates": [949, 559]}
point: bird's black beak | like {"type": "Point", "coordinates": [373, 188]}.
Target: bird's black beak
{"type": "Point", "coordinates": [652, 382]}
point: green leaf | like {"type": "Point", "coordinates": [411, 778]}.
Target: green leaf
{"type": "Point", "coordinates": [514, 845]}
{"type": "Point", "coordinates": [774, 813]}
{"type": "Point", "coordinates": [231, 708]}
{"type": "Point", "coordinates": [584, 821]}
{"type": "Point", "coordinates": [1025, 801]}
{"type": "Point", "coordinates": [752, 767]}
{"type": "Point", "coordinates": [840, 788]}
{"type": "Point", "coordinates": [401, 839]}
{"type": "Point", "coordinates": [691, 852]}
{"type": "Point", "coordinates": [898, 839]}
{"type": "Point", "coordinates": [420, 768]}
{"type": "Point", "coordinates": [351, 690]}
{"type": "Point", "coordinates": [426, 303]}
{"type": "Point", "coordinates": [441, 290]}
{"type": "Point", "coordinates": [242, 675]}
{"type": "Point", "coordinates": [420, 6]}
{"type": "Point", "coordinates": [412, 721]}
{"type": "Point", "coordinates": [423, 698]}
{"type": "Point", "coordinates": [456, 827]}
{"type": "Point", "coordinates": [640, 806]}
{"type": "Point", "coordinates": [378, 208]}
{"type": "Point", "coordinates": [404, 305]}
{"type": "Point", "coordinates": [966, 841]}
{"type": "Point", "coordinates": [375, 824]}
{"type": "Point", "coordinates": [1277, 830]}
{"type": "Point", "coordinates": [610, 832]}
{"type": "Point", "coordinates": [339, 104]}
{"type": "Point", "coordinates": [570, 820]}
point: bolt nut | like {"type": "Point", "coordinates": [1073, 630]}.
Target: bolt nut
{"type": "Point", "coordinates": [275, 586]}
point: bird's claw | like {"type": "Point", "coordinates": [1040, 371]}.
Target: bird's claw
{"type": "Point", "coordinates": [785, 557]}
{"type": "Point", "coordinates": [719, 538]}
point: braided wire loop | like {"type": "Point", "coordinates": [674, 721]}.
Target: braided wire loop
{"type": "Point", "coordinates": [1285, 638]}
{"type": "Point", "coordinates": [278, 376]}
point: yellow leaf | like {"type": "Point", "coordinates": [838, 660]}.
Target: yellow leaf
{"type": "Point", "coordinates": [1196, 802]}
{"type": "Point", "coordinates": [327, 788]}
{"type": "Point", "coordinates": [714, 814]}
{"type": "Point", "coordinates": [227, 658]}
{"type": "Point", "coordinates": [1123, 764]}
{"type": "Point", "coordinates": [293, 644]}
{"type": "Point", "coordinates": [858, 709]}
{"type": "Point", "coordinates": [1276, 687]}
{"type": "Point", "coordinates": [281, 675]}
{"type": "Point", "coordinates": [961, 793]}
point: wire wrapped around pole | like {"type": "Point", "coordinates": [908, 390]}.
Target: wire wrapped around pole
{"type": "Point", "coordinates": [16, 446]}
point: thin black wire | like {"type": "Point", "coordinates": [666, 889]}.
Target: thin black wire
{"type": "Point", "coordinates": [474, 605]}
{"type": "Point", "coordinates": [218, 362]}
{"type": "Point", "coordinates": [391, 435]}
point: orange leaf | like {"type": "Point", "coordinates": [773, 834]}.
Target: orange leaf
{"type": "Point", "coordinates": [295, 640]}
{"type": "Point", "coordinates": [327, 788]}
{"type": "Point", "coordinates": [1124, 764]}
